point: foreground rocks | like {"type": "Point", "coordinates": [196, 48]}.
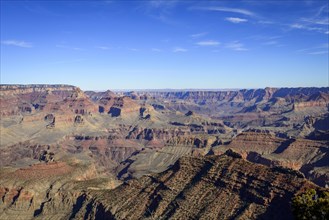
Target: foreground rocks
{"type": "Point", "coordinates": [47, 190]}
{"type": "Point", "coordinates": [212, 187]}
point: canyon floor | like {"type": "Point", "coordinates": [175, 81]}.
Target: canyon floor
{"type": "Point", "coordinates": [241, 154]}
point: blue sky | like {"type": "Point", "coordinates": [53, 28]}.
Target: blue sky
{"type": "Point", "coordinates": [100, 45]}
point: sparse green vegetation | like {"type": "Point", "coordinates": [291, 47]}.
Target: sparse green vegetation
{"type": "Point", "coordinates": [311, 205]}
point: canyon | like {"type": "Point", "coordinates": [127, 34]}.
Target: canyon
{"type": "Point", "coordinates": [72, 154]}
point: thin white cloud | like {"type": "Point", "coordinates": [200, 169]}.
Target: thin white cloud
{"type": "Point", "coordinates": [103, 47]}
{"type": "Point", "coordinates": [271, 43]}
{"type": "Point", "coordinates": [17, 43]}
{"type": "Point", "coordinates": [298, 26]}
{"type": "Point", "coordinates": [225, 9]}
{"type": "Point", "coordinates": [307, 27]}
{"type": "Point", "coordinates": [236, 20]}
{"type": "Point", "coordinates": [327, 32]}
{"type": "Point", "coordinates": [162, 3]}
{"type": "Point", "coordinates": [236, 45]}
{"type": "Point", "coordinates": [321, 21]}
{"type": "Point", "coordinates": [68, 47]}
{"type": "Point", "coordinates": [265, 22]}
{"type": "Point", "coordinates": [318, 22]}
{"type": "Point", "coordinates": [198, 35]}
{"type": "Point", "coordinates": [166, 40]}
{"type": "Point", "coordinates": [267, 40]}
{"type": "Point", "coordinates": [179, 50]}
{"type": "Point", "coordinates": [318, 52]}
{"type": "Point", "coordinates": [320, 46]}
{"type": "Point", "coordinates": [208, 43]}
{"type": "Point", "coordinates": [156, 50]}
{"type": "Point", "coordinates": [325, 45]}
{"type": "Point", "coordinates": [264, 37]}
{"type": "Point", "coordinates": [322, 10]}
{"type": "Point", "coordinates": [133, 49]}
{"type": "Point", "coordinates": [159, 9]}
{"type": "Point", "coordinates": [320, 18]}
{"type": "Point", "coordinates": [66, 61]}
{"type": "Point", "coordinates": [308, 2]}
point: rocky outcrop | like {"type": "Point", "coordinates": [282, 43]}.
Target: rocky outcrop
{"type": "Point", "coordinates": [154, 133]}
{"type": "Point", "coordinates": [212, 187]}
{"type": "Point", "coordinates": [265, 148]}
{"type": "Point", "coordinates": [114, 105]}
{"type": "Point", "coordinates": [49, 99]}
{"type": "Point", "coordinates": [22, 151]}
{"type": "Point", "coordinates": [299, 106]}
{"type": "Point", "coordinates": [245, 107]}
{"type": "Point", "coordinates": [50, 190]}
{"type": "Point", "coordinates": [189, 113]}
{"type": "Point", "coordinates": [223, 187]}
{"type": "Point", "coordinates": [78, 119]}
{"type": "Point", "coordinates": [115, 112]}
{"type": "Point", "coordinates": [96, 96]}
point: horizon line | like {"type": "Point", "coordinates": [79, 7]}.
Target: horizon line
{"type": "Point", "coordinates": [159, 89]}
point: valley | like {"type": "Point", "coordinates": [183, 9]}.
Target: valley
{"type": "Point", "coordinates": [72, 154]}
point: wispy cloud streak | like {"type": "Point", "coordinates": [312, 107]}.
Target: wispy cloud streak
{"type": "Point", "coordinates": [68, 47]}
{"type": "Point", "coordinates": [270, 43]}
{"type": "Point", "coordinates": [159, 9]}
{"type": "Point", "coordinates": [318, 22]}
{"type": "Point", "coordinates": [317, 50]}
{"type": "Point", "coordinates": [225, 9]}
{"type": "Point", "coordinates": [236, 45]}
{"type": "Point", "coordinates": [306, 27]}
{"type": "Point", "coordinates": [236, 20]}
{"type": "Point", "coordinates": [156, 50]}
{"type": "Point", "coordinates": [208, 43]}
{"type": "Point", "coordinates": [66, 61]}
{"type": "Point", "coordinates": [17, 43]}
{"type": "Point", "coordinates": [162, 3]}
{"type": "Point", "coordinates": [179, 50]}
{"type": "Point", "coordinates": [198, 35]}
{"type": "Point", "coordinates": [103, 47]}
